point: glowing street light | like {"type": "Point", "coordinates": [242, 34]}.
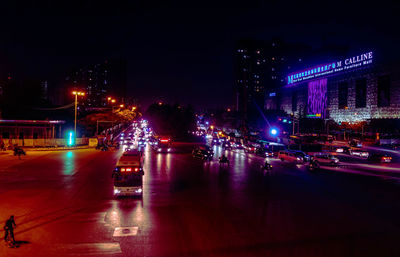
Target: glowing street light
{"type": "Point", "coordinates": [273, 132]}
{"type": "Point", "coordinates": [134, 108]}
{"type": "Point", "coordinates": [121, 106]}
{"type": "Point", "coordinates": [76, 93]}
{"type": "Point", "coordinates": [113, 101]}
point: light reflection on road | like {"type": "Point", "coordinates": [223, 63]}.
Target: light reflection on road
{"type": "Point", "coordinates": [69, 163]}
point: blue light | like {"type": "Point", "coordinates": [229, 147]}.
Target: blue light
{"type": "Point", "coordinates": [70, 138]}
{"type": "Point", "coordinates": [274, 132]}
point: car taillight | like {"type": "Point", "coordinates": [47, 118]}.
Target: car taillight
{"type": "Point", "coordinates": [128, 169]}
{"type": "Point", "coordinates": [136, 169]}
{"type": "Point", "coordinates": [122, 169]}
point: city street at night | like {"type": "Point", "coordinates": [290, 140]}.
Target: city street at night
{"type": "Point", "coordinates": [64, 205]}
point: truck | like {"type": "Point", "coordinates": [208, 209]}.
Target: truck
{"type": "Point", "coordinates": [128, 174]}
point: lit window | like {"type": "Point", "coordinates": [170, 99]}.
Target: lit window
{"type": "Point", "coordinates": [258, 51]}
{"type": "Point", "coordinates": [258, 63]}
{"type": "Point", "coordinates": [273, 58]}
{"type": "Point", "coordinates": [273, 69]}
{"type": "Point", "coordinates": [300, 60]}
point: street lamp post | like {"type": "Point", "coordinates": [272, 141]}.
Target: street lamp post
{"type": "Point", "coordinates": [76, 93]}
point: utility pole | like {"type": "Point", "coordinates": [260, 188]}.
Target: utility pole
{"type": "Point", "coordinates": [76, 93]}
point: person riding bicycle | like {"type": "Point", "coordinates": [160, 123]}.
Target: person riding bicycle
{"type": "Point", "coordinates": [9, 228]}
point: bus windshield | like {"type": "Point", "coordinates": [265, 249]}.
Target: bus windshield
{"type": "Point", "coordinates": [126, 180]}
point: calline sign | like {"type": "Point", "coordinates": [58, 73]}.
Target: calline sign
{"type": "Point", "coordinates": [333, 67]}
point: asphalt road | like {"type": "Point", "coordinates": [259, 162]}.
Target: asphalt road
{"type": "Point", "coordinates": [64, 206]}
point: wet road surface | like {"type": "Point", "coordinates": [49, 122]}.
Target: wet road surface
{"type": "Point", "coordinates": [64, 206]}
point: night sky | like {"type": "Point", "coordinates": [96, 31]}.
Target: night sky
{"type": "Point", "coordinates": [178, 52]}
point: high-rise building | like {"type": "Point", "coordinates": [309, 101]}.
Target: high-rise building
{"type": "Point", "coordinates": [260, 69]}
{"type": "Point", "coordinates": [100, 81]}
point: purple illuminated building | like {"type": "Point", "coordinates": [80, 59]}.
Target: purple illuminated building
{"type": "Point", "coordinates": [352, 89]}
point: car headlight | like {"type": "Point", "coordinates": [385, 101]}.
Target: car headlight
{"type": "Point", "coordinates": [138, 190]}
{"type": "Point", "coordinates": [169, 149]}
{"type": "Point", "coordinates": [159, 149]}
{"type": "Point", "coordinates": [116, 191]}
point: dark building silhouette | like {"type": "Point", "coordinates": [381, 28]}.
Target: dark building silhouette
{"type": "Point", "coordinates": [260, 68]}
{"type": "Point", "coordinates": [100, 81]}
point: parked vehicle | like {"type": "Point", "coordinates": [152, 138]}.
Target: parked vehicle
{"type": "Point", "coordinates": [325, 159]}
{"type": "Point", "coordinates": [289, 157]}
{"type": "Point", "coordinates": [305, 157]}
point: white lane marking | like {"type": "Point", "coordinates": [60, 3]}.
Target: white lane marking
{"type": "Point", "coordinates": [92, 248]}
{"type": "Point", "coordinates": [125, 231]}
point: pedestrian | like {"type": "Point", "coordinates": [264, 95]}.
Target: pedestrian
{"type": "Point", "coordinates": [2, 145]}
{"type": "Point", "coordinates": [9, 228]}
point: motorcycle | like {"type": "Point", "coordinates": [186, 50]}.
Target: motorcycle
{"type": "Point", "coordinates": [267, 166]}
{"type": "Point", "coordinates": [19, 151]}
{"type": "Point", "coordinates": [223, 161]}
{"type": "Point", "coordinates": [312, 166]}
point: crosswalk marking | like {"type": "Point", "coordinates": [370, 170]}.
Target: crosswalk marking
{"type": "Point", "coordinates": [125, 231]}
{"type": "Point", "coordinates": [92, 248]}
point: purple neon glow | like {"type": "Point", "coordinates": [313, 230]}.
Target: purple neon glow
{"type": "Point", "coordinates": [317, 97]}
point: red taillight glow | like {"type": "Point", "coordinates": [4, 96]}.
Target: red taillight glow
{"type": "Point", "coordinates": [136, 169]}
{"type": "Point", "coordinates": [164, 140]}
{"type": "Point", "coordinates": [122, 169]}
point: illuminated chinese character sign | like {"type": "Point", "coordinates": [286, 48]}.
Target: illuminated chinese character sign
{"type": "Point", "coordinates": [317, 98]}
{"type": "Point", "coordinates": [329, 68]}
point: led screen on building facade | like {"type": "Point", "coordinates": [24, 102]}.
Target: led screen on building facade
{"type": "Point", "coordinates": [317, 98]}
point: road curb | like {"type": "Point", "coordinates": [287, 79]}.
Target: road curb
{"type": "Point", "coordinates": [58, 149]}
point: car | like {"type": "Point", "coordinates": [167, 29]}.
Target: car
{"type": "Point", "coordinates": [359, 152]}
{"type": "Point", "coordinates": [215, 141]}
{"type": "Point", "coordinates": [249, 148]}
{"type": "Point", "coordinates": [236, 145]}
{"type": "Point", "coordinates": [264, 152]}
{"type": "Point", "coordinates": [305, 157]}
{"type": "Point", "coordinates": [207, 148]}
{"type": "Point", "coordinates": [355, 143]}
{"type": "Point", "coordinates": [379, 158]}
{"type": "Point", "coordinates": [227, 146]}
{"type": "Point", "coordinates": [289, 157]}
{"type": "Point", "coordinates": [342, 149]}
{"type": "Point", "coordinates": [325, 159]}
{"type": "Point", "coordinates": [201, 154]}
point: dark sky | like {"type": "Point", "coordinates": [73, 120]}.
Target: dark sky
{"type": "Point", "coordinates": [179, 51]}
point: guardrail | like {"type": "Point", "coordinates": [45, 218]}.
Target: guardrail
{"type": "Point", "coordinates": [42, 142]}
